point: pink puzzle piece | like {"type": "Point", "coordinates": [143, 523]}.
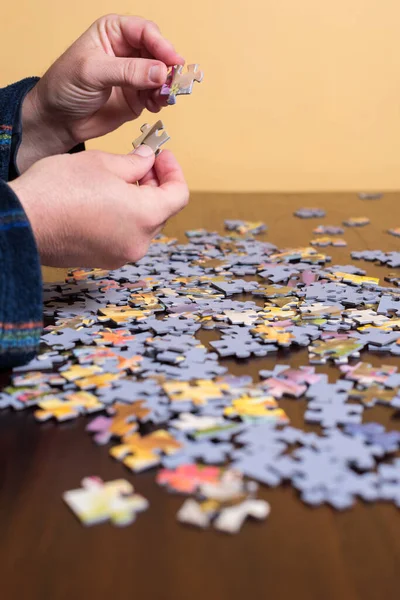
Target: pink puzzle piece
{"type": "Point", "coordinates": [100, 426]}
{"type": "Point", "coordinates": [304, 375]}
{"type": "Point", "coordinates": [279, 387]}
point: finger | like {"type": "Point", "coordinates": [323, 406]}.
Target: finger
{"type": "Point", "coordinates": [164, 164]}
{"type": "Point", "coordinates": [150, 179]}
{"type": "Point", "coordinates": [156, 97]}
{"type": "Point", "coordinates": [136, 73]}
{"type": "Point", "coordinates": [168, 170]}
{"type": "Point", "coordinates": [130, 167]}
{"type": "Point", "coordinates": [140, 33]}
{"type": "Point", "coordinates": [152, 106]}
{"type": "Point", "coordinates": [171, 181]}
{"type": "Point", "coordinates": [144, 53]}
{"type": "Point", "coordinates": [153, 101]}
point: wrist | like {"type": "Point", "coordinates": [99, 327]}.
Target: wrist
{"type": "Point", "coordinates": [41, 136]}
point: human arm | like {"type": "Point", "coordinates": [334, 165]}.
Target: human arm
{"type": "Point", "coordinates": [82, 209]}
{"type": "Point", "coordinates": [106, 78]}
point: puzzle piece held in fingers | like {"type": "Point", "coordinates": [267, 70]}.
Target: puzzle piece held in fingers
{"type": "Point", "coordinates": [153, 136]}
{"type": "Point", "coordinates": [179, 83]}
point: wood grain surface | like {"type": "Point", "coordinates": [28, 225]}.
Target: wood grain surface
{"type": "Point", "coordinates": [299, 552]}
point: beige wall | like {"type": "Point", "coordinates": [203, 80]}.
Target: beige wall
{"type": "Point", "coordinates": [298, 94]}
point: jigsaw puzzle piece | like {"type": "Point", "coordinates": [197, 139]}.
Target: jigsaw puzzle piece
{"type": "Point", "coordinates": [153, 136]}
{"type": "Point", "coordinates": [310, 213]}
{"type": "Point", "coordinates": [256, 408]}
{"type": "Point", "coordinates": [179, 82]}
{"type": "Point", "coordinates": [231, 519]}
{"type": "Point", "coordinates": [186, 478]}
{"type": "Point", "coordinates": [199, 392]}
{"type": "Point", "coordinates": [143, 452]}
{"type": "Point", "coordinates": [366, 375]}
{"type": "Point", "coordinates": [97, 502]}
{"type": "Point", "coordinates": [331, 415]}
{"type": "Point", "coordinates": [122, 422]}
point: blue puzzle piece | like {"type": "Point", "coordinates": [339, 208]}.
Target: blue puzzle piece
{"type": "Point", "coordinates": [205, 450]}
{"type": "Point", "coordinates": [333, 414]}
{"type": "Point", "coordinates": [310, 213]}
{"type": "Point", "coordinates": [351, 450]}
{"type": "Point", "coordinates": [375, 433]}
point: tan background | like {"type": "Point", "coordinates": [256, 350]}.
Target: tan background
{"type": "Point", "coordinates": [298, 94]}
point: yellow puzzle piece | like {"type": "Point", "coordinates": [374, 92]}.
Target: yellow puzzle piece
{"type": "Point", "coordinates": [256, 408]}
{"type": "Point", "coordinates": [199, 392]}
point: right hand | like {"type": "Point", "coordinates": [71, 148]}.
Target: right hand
{"type": "Point", "coordinates": [86, 210]}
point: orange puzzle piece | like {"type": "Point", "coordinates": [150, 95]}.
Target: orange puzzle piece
{"type": "Point", "coordinates": [142, 452]}
{"type": "Point", "coordinates": [114, 337]}
{"type": "Point", "coordinates": [125, 416]}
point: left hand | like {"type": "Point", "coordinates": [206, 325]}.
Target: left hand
{"type": "Point", "coordinates": [107, 77]}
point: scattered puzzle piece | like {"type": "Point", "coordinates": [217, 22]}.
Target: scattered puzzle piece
{"type": "Point", "coordinates": [255, 408]}
{"type": "Point", "coordinates": [123, 421]}
{"type": "Point", "coordinates": [186, 479]}
{"type": "Point", "coordinates": [395, 231]}
{"type": "Point", "coordinates": [143, 452]}
{"type": "Point", "coordinates": [63, 410]}
{"type": "Point", "coordinates": [328, 230]}
{"type": "Point", "coordinates": [331, 415]}
{"type": "Point", "coordinates": [97, 502]}
{"type": "Point", "coordinates": [337, 350]}
{"type": "Point", "coordinates": [375, 434]}
{"type": "Point", "coordinates": [366, 375]}
{"type": "Point", "coordinates": [370, 195]}
{"type": "Point", "coordinates": [244, 227]}
{"type": "Point", "coordinates": [356, 222]}
{"type": "Point", "coordinates": [198, 392]}
{"type": "Point", "coordinates": [373, 395]}
{"type": "Point", "coordinates": [328, 241]}
{"type": "Point", "coordinates": [310, 213]}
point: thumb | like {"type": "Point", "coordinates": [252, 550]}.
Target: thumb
{"type": "Point", "coordinates": [137, 73]}
{"type": "Point", "coordinates": [131, 167]}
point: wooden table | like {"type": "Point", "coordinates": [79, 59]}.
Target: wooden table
{"type": "Point", "coordinates": [300, 552]}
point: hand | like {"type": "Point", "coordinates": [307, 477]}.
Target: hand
{"type": "Point", "coordinates": [87, 210]}
{"type": "Point", "coordinates": [107, 77]}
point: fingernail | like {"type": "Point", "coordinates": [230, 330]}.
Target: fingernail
{"type": "Point", "coordinates": [155, 74]}
{"type": "Point", "coordinates": [144, 150]}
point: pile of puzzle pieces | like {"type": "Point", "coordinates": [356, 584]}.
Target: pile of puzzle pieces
{"type": "Point", "coordinates": [124, 346]}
